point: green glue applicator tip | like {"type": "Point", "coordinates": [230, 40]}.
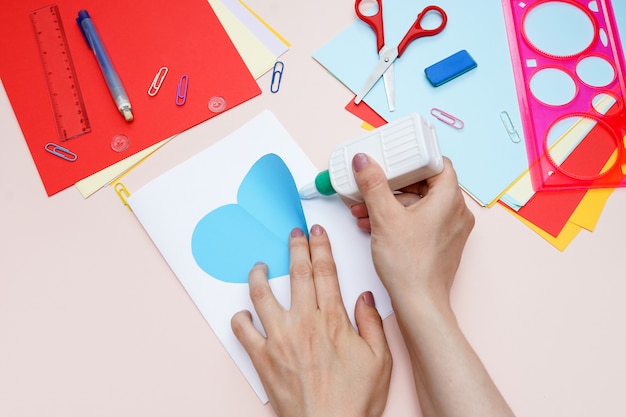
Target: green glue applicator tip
{"type": "Point", "coordinates": [406, 149]}
{"type": "Point", "coordinates": [322, 186]}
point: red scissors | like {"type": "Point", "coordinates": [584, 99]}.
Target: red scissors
{"type": "Point", "coordinates": [387, 55]}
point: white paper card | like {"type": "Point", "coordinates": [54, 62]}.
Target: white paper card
{"type": "Point", "coordinates": [171, 206]}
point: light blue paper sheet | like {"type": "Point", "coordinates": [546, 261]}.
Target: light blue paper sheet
{"type": "Point", "coordinates": [619, 11]}
{"type": "Point", "coordinates": [486, 159]}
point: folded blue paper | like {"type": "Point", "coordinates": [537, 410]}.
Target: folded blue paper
{"type": "Point", "coordinates": [229, 240]}
{"type": "Point", "coordinates": [485, 157]}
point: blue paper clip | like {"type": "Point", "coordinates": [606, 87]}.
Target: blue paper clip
{"type": "Point", "coordinates": [61, 152]}
{"type": "Point", "coordinates": [510, 127]}
{"type": "Point", "coordinates": [278, 70]}
{"type": "Point", "coordinates": [181, 94]}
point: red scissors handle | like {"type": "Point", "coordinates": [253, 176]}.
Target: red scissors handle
{"type": "Point", "coordinates": [417, 31]}
{"type": "Point", "coordinates": [375, 21]}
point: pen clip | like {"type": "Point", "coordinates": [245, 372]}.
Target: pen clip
{"type": "Point", "coordinates": [82, 15]}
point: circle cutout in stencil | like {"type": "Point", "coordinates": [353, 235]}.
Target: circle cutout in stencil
{"type": "Point", "coordinates": [553, 86]}
{"type": "Point", "coordinates": [595, 71]}
{"type": "Point", "coordinates": [559, 29]}
{"type": "Point", "coordinates": [583, 138]}
{"type": "Point", "coordinates": [607, 104]}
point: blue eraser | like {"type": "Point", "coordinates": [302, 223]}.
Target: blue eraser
{"type": "Point", "coordinates": [450, 68]}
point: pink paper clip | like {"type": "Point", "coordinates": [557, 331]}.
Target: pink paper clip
{"type": "Point", "coordinates": [447, 118]}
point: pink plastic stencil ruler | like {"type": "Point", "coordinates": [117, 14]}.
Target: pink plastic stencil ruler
{"type": "Point", "coordinates": [569, 70]}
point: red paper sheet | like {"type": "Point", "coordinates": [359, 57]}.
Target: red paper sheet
{"type": "Point", "coordinates": [140, 36]}
{"type": "Point", "coordinates": [551, 210]}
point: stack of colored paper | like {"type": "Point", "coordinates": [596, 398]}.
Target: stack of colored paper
{"type": "Point", "coordinates": [188, 37]}
{"type": "Point", "coordinates": [489, 151]}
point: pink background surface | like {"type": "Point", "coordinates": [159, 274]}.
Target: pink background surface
{"type": "Point", "coordinates": [94, 323]}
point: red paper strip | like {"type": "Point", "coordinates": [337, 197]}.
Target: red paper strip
{"type": "Point", "coordinates": [365, 113]}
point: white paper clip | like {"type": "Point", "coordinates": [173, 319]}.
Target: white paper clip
{"type": "Point", "coordinates": [157, 82]}
{"type": "Point", "coordinates": [61, 152]}
{"type": "Point", "coordinates": [447, 118]}
{"type": "Point", "coordinates": [277, 75]}
{"type": "Point", "coordinates": [181, 94]}
{"type": "Point", "coordinates": [510, 127]}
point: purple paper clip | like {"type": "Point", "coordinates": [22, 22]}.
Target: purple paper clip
{"type": "Point", "coordinates": [181, 94]}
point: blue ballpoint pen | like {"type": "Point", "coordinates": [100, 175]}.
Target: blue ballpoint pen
{"type": "Point", "coordinates": [110, 76]}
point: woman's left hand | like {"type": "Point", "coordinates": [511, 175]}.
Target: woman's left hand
{"type": "Point", "coordinates": [312, 361]}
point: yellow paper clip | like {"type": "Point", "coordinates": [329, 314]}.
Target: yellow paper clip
{"type": "Point", "coordinates": [157, 82]}
{"type": "Point", "coordinates": [123, 194]}
{"type": "Point", "coordinates": [181, 94]}
{"type": "Point", "coordinates": [447, 118]}
{"type": "Point", "coordinates": [61, 152]}
{"type": "Point", "coordinates": [510, 127]}
{"type": "Point", "coordinates": [277, 75]}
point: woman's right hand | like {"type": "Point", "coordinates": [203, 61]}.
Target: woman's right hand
{"type": "Point", "coordinates": [418, 235]}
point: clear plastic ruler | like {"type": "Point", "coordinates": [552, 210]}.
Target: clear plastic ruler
{"type": "Point", "coordinates": [66, 98]}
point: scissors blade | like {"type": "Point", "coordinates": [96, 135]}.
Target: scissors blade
{"type": "Point", "coordinates": [389, 79]}
{"type": "Point", "coordinates": [387, 56]}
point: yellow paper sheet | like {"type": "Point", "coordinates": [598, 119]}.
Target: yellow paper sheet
{"type": "Point", "coordinates": [590, 208]}
{"type": "Point", "coordinates": [278, 35]}
{"type": "Point", "coordinates": [567, 235]}
{"type": "Point", "coordinates": [257, 57]}
{"type": "Point", "coordinates": [93, 183]}
{"type": "Point", "coordinates": [585, 216]}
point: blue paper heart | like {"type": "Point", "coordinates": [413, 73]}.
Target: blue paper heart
{"type": "Point", "coordinates": [227, 242]}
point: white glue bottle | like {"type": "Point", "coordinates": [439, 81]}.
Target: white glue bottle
{"type": "Point", "coordinates": [406, 149]}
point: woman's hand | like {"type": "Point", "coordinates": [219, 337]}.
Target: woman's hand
{"type": "Point", "coordinates": [418, 238]}
{"type": "Point", "coordinates": [418, 235]}
{"type": "Point", "coordinates": [312, 361]}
